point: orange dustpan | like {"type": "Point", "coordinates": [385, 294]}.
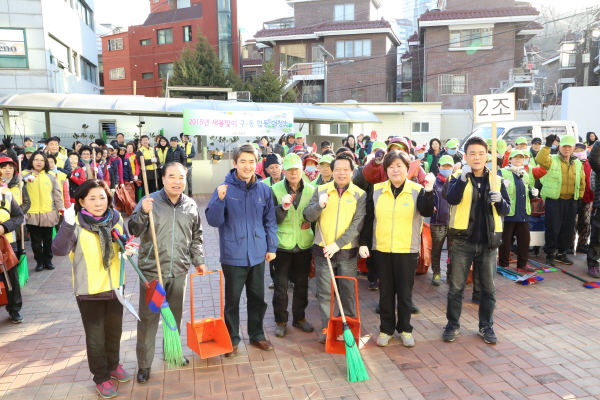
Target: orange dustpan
{"type": "Point", "coordinates": [335, 327]}
{"type": "Point", "coordinates": [208, 337]}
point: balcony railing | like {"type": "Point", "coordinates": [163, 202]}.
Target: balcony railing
{"type": "Point", "coordinates": [517, 77]}
{"type": "Point", "coordinates": [307, 71]}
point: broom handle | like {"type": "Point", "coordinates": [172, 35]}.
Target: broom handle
{"type": "Point", "coordinates": [574, 276]}
{"type": "Point", "coordinates": [21, 191]}
{"type": "Point", "coordinates": [335, 287]}
{"type": "Point", "coordinates": [151, 217]}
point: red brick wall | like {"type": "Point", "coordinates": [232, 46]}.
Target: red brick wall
{"type": "Point", "coordinates": [316, 12]}
{"type": "Point", "coordinates": [477, 5]}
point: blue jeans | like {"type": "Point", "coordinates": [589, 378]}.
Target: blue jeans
{"type": "Point", "coordinates": [463, 254]}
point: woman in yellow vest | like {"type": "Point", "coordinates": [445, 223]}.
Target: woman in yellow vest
{"type": "Point", "coordinates": [396, 219]}
{"type": "Point", "coordinates": [161, 154]}
{"type": "Point", "coordinates": [87, 238]}
{"type": "Point", "coordinates": [11, 219]}
{"type": "Point", "coordinates": [45, 198]}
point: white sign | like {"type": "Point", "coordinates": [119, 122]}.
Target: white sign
{"type": "Point", "coordinates": [12, 42]}
{"type": "Point", "coordinates": [237, 123]}
{"type": "Point", "coordinates": [494, 107]}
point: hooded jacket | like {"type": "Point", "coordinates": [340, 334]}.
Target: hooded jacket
{"type": "Point", "coordinates": [246, 221]}
{"type": "Point", "coordinates": [178, 234]}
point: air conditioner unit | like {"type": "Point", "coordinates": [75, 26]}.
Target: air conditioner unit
{"type": "Point", "coordinates": [585, 58]}
{"type": "Point", "coordinates": [239, 96]}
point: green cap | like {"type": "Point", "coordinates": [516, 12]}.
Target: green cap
{"type": "Point", "coordinates": [567, 141]}
{"type": "Point", "coordinates": [521, 140]}
{"type": "Point", "coordinates": [488, 141]}
{"type": "Point", "coordinates": [451, 144]}
{"type": "Point", "coordinates": [29, 149]}
{"type": "Point", "coordinates": [378, 144]}
{"type": "Point", "coordinates": [516, 153]}
{"type": "Point", "coordinates": [299, 134]}
{"type": "Point", "coordinates": [501, 146]}
{"type": "Point", "coordinates": [326, 159]}
{"type": "Point", "coordinates": [292, 161]}
{"type": "Point", "coordinates": [256, 146]}
{"type": "Point", "coordinates": [445, 160]}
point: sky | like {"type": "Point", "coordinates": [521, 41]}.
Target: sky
{"type": "Point", "coordinates": [251, 13]}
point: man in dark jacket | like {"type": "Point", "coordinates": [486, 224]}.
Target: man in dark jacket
{"type": "Point", "coordinates": [175, 152]}
{"type": "Point", "coordinates": [179, 245]}
{"type": "Point", "coordinates": [243, 210]}
{"type": "Point", "coordinates": [475, 227]}
{"type": "Point", "coordinates": [593, 255]}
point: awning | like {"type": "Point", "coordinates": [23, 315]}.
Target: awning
{"type": "Point", "coordinates": [168, 107]}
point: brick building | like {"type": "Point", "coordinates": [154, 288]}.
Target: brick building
{"type": "Point", "coordinates": [146, 53]}
{"type": "Point", "coordinates": [470, 48]}
{"type": "Point", "coordinates": [359, 48]}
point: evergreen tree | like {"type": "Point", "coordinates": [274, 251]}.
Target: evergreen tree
{"type": "Point", "coordinates": [268, 87]}
{"type": "Point", "coordinates": [235, 82]}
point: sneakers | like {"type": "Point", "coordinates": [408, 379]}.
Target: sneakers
{"type": "Point", "coordinates": [383, 339]}
{"type": "Point", "coordinates": [407, 339]}
{"type": "Point", "coordinates": [323, 336]}
{"type": "Point", "coordinates": [303, 325]}
{"type": "Point", "coordinates": [373, 285]}
{"type": "Point", "coordinates": [562, 258]}
{"type": "Point", "coordinates": [48, 265]}
{"type": "Point", "coordinates": [527, 269]}
{"type": "Point", "coordinates": [450, 333]}
{"type": "Point", "coordinates": [280, 331]}
{"type": "Point", "coordinates": [39, 267]}
{"type": "Point", "coordinates": [120, 375]}
{"type": "Point", "coordinates": [550, 260]}
{"type": "Point", "coordinates": [106, 390]}
{"type": "Point", "coordinates": [488, 335]}
{"type": "Point", "coordinates": [437, 279]}
{"type": "Point", "coordinates": [594, 272]}
{"type": "Point", "coordinates": [17, 318]}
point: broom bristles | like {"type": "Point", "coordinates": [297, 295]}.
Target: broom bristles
{"type": "Point", "coordinates": [354, 363]}
{"type": "Point", "coordinates": [23, 270]}
{"type": "Point", "coordinates": [173, 353]}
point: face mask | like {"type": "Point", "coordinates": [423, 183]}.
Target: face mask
{"type": "Point", "coordinates": [489, 165]}
{"type": "Point", "coordinates": [445, 172]}
{"type": "Point", "coordinates": [452, 151]}
{"type": "Point", "coordinates": [582, 155]}
{"type": "Point", "coordinates": [526, 161]}
{"type": "Point", "coordinates": [553, 147]}
{"type": "Point", "coordinates": [421, 156]}
{"type": "Point", "coordinates": [310, 168]}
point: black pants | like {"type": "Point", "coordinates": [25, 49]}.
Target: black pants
{"type": "Point", "coordinates": [152, 182]}
{"type": "Point", "coordinates": [521, 230]}
{"type": "Point", "coordinates": [189, 180]}
{"type": "Point", "coordinates": [103, 324]}
{"type": "Point", "coordinates": [236, 278]}
{"type": "Point", "coordinates": [560, 225]}
{"type": "Point", "coordinates": [396, 279]}
{"type": "Point", "coordinates": [299, 263]}
{"type": "Point", "coordinates": [159, 183]}
{"type": "Point", "coordinates": [41, 243]}
{"type": "Point", "coordinates": [593, 254]}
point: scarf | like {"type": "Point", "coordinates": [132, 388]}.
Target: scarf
{"type": "Point", "coordinates": [102, 227]}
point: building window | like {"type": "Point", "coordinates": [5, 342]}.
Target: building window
{"type": "Point", "coordinates": [420, 127]}
{"type": "Point", "coordinates": [115, 44]}
{"type": "Point", "coordinates": [88, 70]}
{"type": "Point", "coordinates": [13, 48]}
{"type": "Point", "coordinates": [117, 73]}
{"type": "Point", "coordinates": [145, 42]}
{"type": "Point", "coordinates": [85, 12]}
{"type": "Point", "coordinates": [225, 33]}
{"type": "Point", "coordinates": [164, 69]}
{"type": "Point", "coordinates": [568, 56]}
{"type": "Point", "coordinates": [291, 54]}
{"type": "Point", "coordinates": [109, 126]}
{"type": "Point", "coordinates": [187, 33]}
{"type": "Point", "coordinates": [452, 84]}
{"type": "Point", "coordinates": [317, 52]}
{"type": "Point", "coordinates": [147, 75]}
{"type": "Point", "coordinates": [165, 36]}
{"type": "Point", "coordinates": [312, 93]}
{"type": "Point", "coordinates": [358, 95]}
{"type": "Point", "coordinates": [353, 48]}
{"type": "Point", "coordinates": [471, 37]}
{"type": "Point", "coordinates": [344, 12]}
{"type": "Point", "coordinates": [59, 54]}
{"type": "Point", "coordinates": [267, 54]}
{"type": "Point", "coordinates": [340, 129]}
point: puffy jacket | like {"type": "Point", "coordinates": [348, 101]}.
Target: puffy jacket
{"type": "Point", "coordinates": [441, 215]}
{"type": "Point", "coordinates": [246, 221]}
{"type": "Point", "coordinates": [594, 161]}
{"type": "Point", "coordinates": [90, 279]}
{"type": "Point", "coordinates": [588, 194]}
{"type": "Point", "coordinates": [134, 167]}
{"type": "Point", "coordinates": [178, 234]}
{"type": "Point", "coordinates": [117, 167]}
{"type": "Point", "coordinates": [77, 178]}
{"type": "Point", "coordinates": [374, 173]}
{"type": "Point", "coordinates": [45, 199]}
{"type": "Point", "coordinates": [175, 155]}
{"type": "Point", "coordinates": [568, 174]}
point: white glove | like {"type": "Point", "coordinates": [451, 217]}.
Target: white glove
{"type": "Point", "coordinates": [363, 251]}
{"type": "Point", "coordinates": [96, 169]}
{"type": "Point", "coordinates": [153, 159]}
{"type": "Point", "coordinates": [69, 215]}
{"type": "Point", "coordinates": [429, 181]}
{"type": "Point", "coordinates": [130, 251]}
{"type": "Point", "coordinates": [506, 183]}
{"type": "Point", "coordinates": [330, 250]}
{"type": "Point", "coordinates": [465, 171]}
{"type": "Point", "coordinates": [135, 178]}
{"type": "Point", "coordinates": [535, 192]}
{"type": "Point", "coordinates": [323, 199]}
{"type": "Point", "coordinates": [286, 201]}
{"type": "Point", "coordinates": [29, 178]}
{"type": "Point", "coordinates": [496, 197]}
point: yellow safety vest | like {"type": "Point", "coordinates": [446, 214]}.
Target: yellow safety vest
{"type": "Point", "coordinates": [61, 177]}
{"type": "Point", "coordinates": [5, 200]}
{"type": "Point", "coordinates": [148, 154]}
{"type": "Point", "coordinates": [397, 225]}
{"type": "Point", "coordinates": [162, 155]}
{"type": "Point", "coordinates": [40, 193]}
{"type": "Point", "coordinates": [16, 193]}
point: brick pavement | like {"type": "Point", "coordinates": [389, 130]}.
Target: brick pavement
{"type": "Point", "coordinates": [549, 348]}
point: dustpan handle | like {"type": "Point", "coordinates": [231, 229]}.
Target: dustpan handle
{"type": "Point", "coordinates": [331, 302]}
{"type": "Point", "coordinates": [192, 292]}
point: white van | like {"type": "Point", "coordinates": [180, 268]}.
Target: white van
{"type": "Point", "coordinates": [510, 131]}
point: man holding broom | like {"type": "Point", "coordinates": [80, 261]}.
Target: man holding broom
{"type": "Point", "coordinates": [179, 238]}
{"type": "Point", "coordinates": [339, 207]}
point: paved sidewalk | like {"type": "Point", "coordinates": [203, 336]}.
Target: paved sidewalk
{"type": "Point", "coordinates": [549, 347]}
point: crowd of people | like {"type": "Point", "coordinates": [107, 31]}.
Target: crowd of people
{"type": "Point", "coordinates": [297, 208]}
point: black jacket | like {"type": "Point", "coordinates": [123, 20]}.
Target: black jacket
{"type": "Point", "coordinates": [594, 160]}
{"type": "Point", "coordinates": [175, 155]}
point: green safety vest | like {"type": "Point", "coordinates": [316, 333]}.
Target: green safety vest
{"type": "Point", "coordinates": [269, 181]}
{"type": "Point", "coordinates": [552, 181]}
{"type": "Point", "coordinates": [289, 231]}
{"type": "Point", "coordinates": [508, 175]}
